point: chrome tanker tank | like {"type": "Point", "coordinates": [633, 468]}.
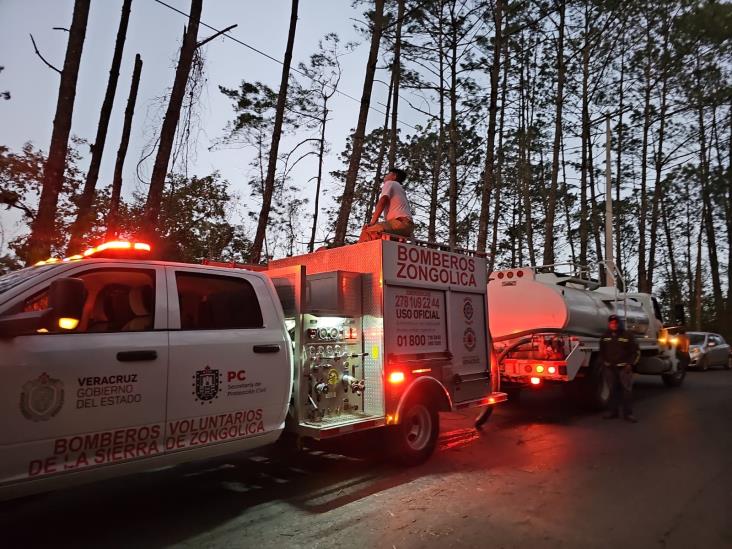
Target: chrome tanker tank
{"type": "Point", "coordinates": [521, 301]}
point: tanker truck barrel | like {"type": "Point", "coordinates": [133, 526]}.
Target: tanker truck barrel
{"type": "Point", "coordinates": [521, 301]}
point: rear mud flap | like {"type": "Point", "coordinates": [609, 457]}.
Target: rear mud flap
{"type": "Point", "coordinates": [578, 357]}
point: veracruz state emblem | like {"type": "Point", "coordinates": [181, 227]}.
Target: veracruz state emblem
{"type": "Point", "coordinates": [41, 398]}
{"type": "Point", "coordinates": [206, 384]}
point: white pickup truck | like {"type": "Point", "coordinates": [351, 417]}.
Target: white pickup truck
{"type": "Point", "coordinates": [112, 363]}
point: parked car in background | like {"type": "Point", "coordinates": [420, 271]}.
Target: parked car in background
{"type": "Point", "coordinates": [708, 350]}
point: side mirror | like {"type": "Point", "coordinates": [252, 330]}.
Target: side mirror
{"type": "Point", "coordinates": [66, 297]}
{"type": "Point", "coordinates": [679, 314]}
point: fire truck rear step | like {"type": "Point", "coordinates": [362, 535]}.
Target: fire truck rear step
{"type": "Point", "coordinates": [340, 425]}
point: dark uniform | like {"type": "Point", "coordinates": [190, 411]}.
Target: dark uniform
{"type": "Point", "coordinates": [619, 352]}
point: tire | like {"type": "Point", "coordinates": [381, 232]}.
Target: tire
{"type": "Point", "coordinates": [703, 364]}
{"type": "Point", "coordinates": [728, 363]}
{"type": "Point", "coordinates": [414, 440]}
{"type": "Point", "coordinates": [483, 417]}
{"type": "Point", "coordinates": [675, 380]}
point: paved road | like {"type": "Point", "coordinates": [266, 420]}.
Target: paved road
{"type": "Point", "coordinates": [542, 474]}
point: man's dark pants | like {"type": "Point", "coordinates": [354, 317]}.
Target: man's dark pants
{"type": "Point", "coordinates": [620, 379]}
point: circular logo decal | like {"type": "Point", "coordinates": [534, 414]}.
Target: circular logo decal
{"type": "Point", "coordinates": [469, 339]}
{"type": "Point", "coordinates": [468, 310]}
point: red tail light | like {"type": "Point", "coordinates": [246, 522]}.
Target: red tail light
{"type": "Point", "coordinates": [396, 377]}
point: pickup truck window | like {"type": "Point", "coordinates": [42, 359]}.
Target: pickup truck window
{"type": "Point", "coordinates": [211, 302]}
{"type": "Point", "coordinates": [696, 339]}
{"type": "Point", "coordinates": [118, 300]}
{"type": "Point", "coordinates": [12, 279]}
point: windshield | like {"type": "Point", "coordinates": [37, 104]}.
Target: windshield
{"type": "Point", "coordinates": [696, 339]}
{"type": "Point", "coordinates": [12, 279]}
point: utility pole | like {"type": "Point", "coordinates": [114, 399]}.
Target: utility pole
{"type": "Point", "coordinates": [609, 259]}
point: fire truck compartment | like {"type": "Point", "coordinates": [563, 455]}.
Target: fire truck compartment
{"type": "Point", "coordinates": [377, 323]}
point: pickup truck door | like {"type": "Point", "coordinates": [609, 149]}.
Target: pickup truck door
{"type": "Point", "coordinates": [92, 396]}
{"type": "Point", "coordinates": [230, 370]}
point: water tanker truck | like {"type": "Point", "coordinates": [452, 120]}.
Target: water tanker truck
{"type": "Point", "coordinates": [546, 328]}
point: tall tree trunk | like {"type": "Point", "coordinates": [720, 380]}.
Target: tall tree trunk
{"type": "Point", "coordinates": [658, 166]}
{"type": "Point", "coordinates": [396, 77]}
{"type": "Point", "coordinates": [344, 212]}
{"type": "Point", "coordinates": [642, 274]}
{"type": "Point", "coordinates": [44, 224]}
{"type": "Point", "coordinates": [519, 229]}
{"type": "Point", "coordinates": [453, 136]}
{"type": "Point", "coordinates": [515, 234]}
{"type": "Point", "coordinates": [709, 218]}
{"type": "Point", "coordinates": [729, 224]}
{"type": "Point", "coordinates": [170, 122]}
{"type": "Point", "coordinates": [437, 167]}
{"type": "Point", "coordinates": [697, 295]}
{"type": "Point", "coordinates": [269, 183]}
{"type": "Point", "coordinates": [619, 166]}
{"type": "Point", "coordinates": [524, 160]}
{"type": "Point", "coordinates": [436, 173]}
{"type": "Point", "coordinates": [584, 169]}
{"type": "Point", "coordinates": [376, 185]}
{"type": "Point", "coordinates": [84, 214]}
{"type": "Point", "coordinates": [488, 172]}
{"type": "Point", "coordinates": [551, 203]}
{"type": "Point", "coordinates": [501, 159]}
{"type": "Point", "coordinates": [321, 153]}
{"type": "Point", "coordinates": [112, 217]}
{"type": "Point", "coordinates": [675, 284]}
{"type": "Point", "coordinates": [595, 220]}
{"type": "Point", "coordinates": [565, 203]}
{"type": "Point", "coordinates": [688, 233]}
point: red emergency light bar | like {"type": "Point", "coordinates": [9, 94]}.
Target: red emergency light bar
{"type": "Point", "coordinates": [120, 249]}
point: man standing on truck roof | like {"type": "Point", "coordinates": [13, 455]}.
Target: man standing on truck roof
{"type": "Point", "coordinates": [618, 353]}
{"type": "Point", "coordinates": [397, 213]}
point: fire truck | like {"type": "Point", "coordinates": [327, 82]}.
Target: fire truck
{"type": "Point", "coordinates": [546, 328]}
{"type": "Point", "coordinates": [112, 362]}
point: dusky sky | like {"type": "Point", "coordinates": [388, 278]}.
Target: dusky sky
{"type": "Point", "coordinates": [155, 32]}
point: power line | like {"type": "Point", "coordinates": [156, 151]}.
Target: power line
{"type": "Point", "coordinates": [271, 58]}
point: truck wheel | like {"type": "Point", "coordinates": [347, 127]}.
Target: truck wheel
{"type": "Point", "coordinates": [415, 438]}
{"type": "Point", "coordinates": [676, 379]}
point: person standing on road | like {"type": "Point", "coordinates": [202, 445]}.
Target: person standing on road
{"type": "Point", "coordinates": [619, 352]}
{"type": "Point", "coordinates": [397, 213]}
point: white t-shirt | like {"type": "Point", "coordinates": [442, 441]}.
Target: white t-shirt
{"type": "Point", "coordinates": [398, 205]}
